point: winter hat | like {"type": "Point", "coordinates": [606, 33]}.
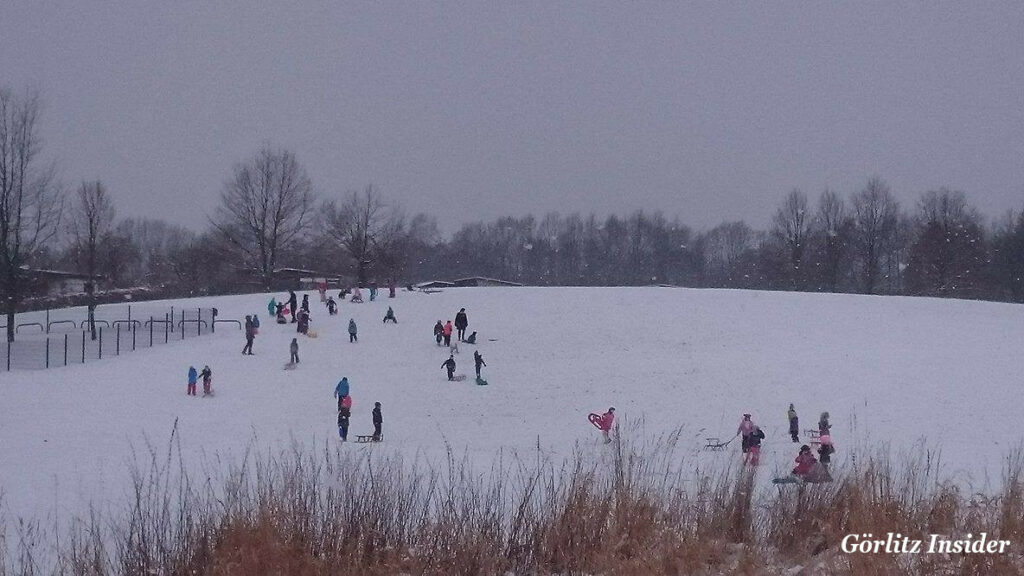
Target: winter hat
{"type": "Point", "coordinates": [805, 448]}
{"type": "Point", "coordinates": [377, 404]}
{"type": "Point", "coordinates": [611, 409]}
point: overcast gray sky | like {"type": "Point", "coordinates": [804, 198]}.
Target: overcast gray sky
{"type": "Point", "coordinates": [710, 111]}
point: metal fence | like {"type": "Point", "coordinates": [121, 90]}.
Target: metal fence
{"type": "Point", "coordinates": [49, 339]}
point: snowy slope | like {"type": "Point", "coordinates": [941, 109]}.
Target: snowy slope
{"type": "Point", "coordinates": [888, 369]}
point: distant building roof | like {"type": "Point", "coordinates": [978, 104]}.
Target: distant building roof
{"type": "Point", "coordinates": [433, 284]}
{"type": "Point", "coordinates": [483, 281]}
{"type": "Point", "coordinates": [62, 275]}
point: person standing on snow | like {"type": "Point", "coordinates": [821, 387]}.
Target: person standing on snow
{"type": "Point", "coordinates": [207, 375]}
{"type": "Point", "coordinates": [294, 349]}
{"type": "Point", "coordinates": [823, 425]}
{"type": "Point", "coordinates": [438, 332]}
{"type": "Point", "coordinates": [332, 306]}
{"type": "Point", "coordinates": [303, 327]}
{"type": "Point", "coordinates": [272, 307]}
{"type": "Point", "coordinates": [293, 304]}
{"type": "Point", "coordinates": [745, 428]}
{"type": "Point", "coordinates": [305, 303]}
{"type": "Point", "coordinates": [255, 324]}
{"type": "Point", "coordinates": [193, 377]}
{"type": "Point", "coordinates": [448, 333]}
{"type": "Point", "coordinates": [344, 412]}
{"type": "Point", "coordinates": [250, 334]}
{"type": "Point", "coordinates": [377, 421]}
{"type": "Point", "coordinates": [449, 365]}
{"type": "Point", "coordinates": [605, 424]}
{"type": "Point", "coordinates": [478, 360]}
{"type": "Point", "coordinates": [461, 322]}
{"type": "Point", "coordinates": [794, 424]}
{"type": "Point", "coordinates": [753, 455]}
{"type": "Point", "coordinates": [341, 391]}
{"type": "Point", "coordinates": [352, 331]}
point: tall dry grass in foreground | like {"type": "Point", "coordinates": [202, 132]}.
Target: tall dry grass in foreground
{"type": "Point", "coordinates": [628, 508]}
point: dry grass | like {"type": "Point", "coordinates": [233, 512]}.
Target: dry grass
{"type": "Point", "coordinates": [634, 509]}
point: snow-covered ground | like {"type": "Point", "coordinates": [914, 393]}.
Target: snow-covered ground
{"type": "Point", "coordinates": [888, 369]}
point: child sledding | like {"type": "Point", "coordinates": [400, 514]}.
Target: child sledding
{"type": "Point", "coordinates": [807, 470]}
{"type": "Point", "coordinates": [604, 423]}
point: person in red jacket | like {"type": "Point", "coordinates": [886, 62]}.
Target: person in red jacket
{"type": "Point", "coordinates": [448, 333]}
{"type": "Point", "coordinates": [805, 462]}
{"type": "Point", "coordinates": [605, 424]}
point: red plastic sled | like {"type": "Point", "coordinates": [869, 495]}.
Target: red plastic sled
{"type": "Point", "coordinates": [595, 419]}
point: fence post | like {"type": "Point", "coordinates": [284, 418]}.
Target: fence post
{"type": "Point", "coordinates": [150, 331]}
{"type": "Point", "coordinates": [101, 344]}
{"type": "Point", "coordinates": [172, 318]}
{"type": "Point", "coordinates": [213, 322]}
{"type": "Point", "coordinates": [8, 355]}
{"type": "Point", "coordinates": [47, 320]}
{"type": "Point", "coordinates": [166, 334]}
{"type": "Point", "coordinates": [182, 324]}
{"type": "Point", "coordinates": [65, 349]}
{"type": "Point", "coordinates": [83, 346]}
{"type": "Point", "coordinates": [199, 321]}
{"type": "Point", "coordinates": [130, 326]}
{"type": "Point", "coordinates": [117, 348]}
{"type": "Point", "coordinates": [133, 336]}
{"type": "Point", "coordinates": [47, 351]}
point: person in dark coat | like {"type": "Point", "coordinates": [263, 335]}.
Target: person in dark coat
{"type": "Point", "coordinates": [449, 365]}
{"type": "Point", "coordinates": [305, 302]}
{"type": "Point", "coordinates": [438, 332]}
{"type": "Point", "coordinates": [390, 316]}
{"type": "Point", "coordinates": [471, 339]}
{"type": "Point", "coordinates": [207, 375]}
{"type": "Point", "coordinates": [250, 334]}
{"type": "Point", "coordinates": [352, 337]}
{"type": "Point", "coordinates": [478, 359]}
{"type": "Point", "coordinates": [332, 306]}
{"type": "Point", "coordinates": [377, 421]}
{"type": "Point", "coordinates": [303, 327]}
{"type": "Point", "coordinates": [294, 349]}
{"type": "Point", "coordinates": [293, 304]}
{"type": "Point", "coordinates": [823, 425]}
{"type": "Point", "coordinates": [461, 322]}
{"type": "Point", "coordinates": [343, 415]}
{"type": "Point", "coordinates": [794, 424]}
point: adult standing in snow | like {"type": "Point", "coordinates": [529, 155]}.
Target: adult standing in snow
{"type": "Point", "coordinates": [745, 428]}
{"type": "Point", "coordinates": [352, 330]}
{"type": "Point", "coordinates": [373, 291]}
{"type": "Point", "coordinates": [249, 336]}
{"type": "Point", "coordinates": [294, 349]}
{"type": "Point", "coordinates": [438, 332]}
{"type": "Point", "coordinates": [341, 391]}
{"type": "Point", "coordinates": [461, 321]}
{"type": "Point", "coordinates": [293, 304]}
{"type": "Point", "coordinates": [193, 377]}
{"type": "Point", "coordinates": [823, 425]}
{"type": "Point", "coordinates": [448, 333]}
{"type": "Point", "coordinates": [605, 424]}
{"type": "Point", "coordinates": [449, 365]}
{"type": "Point", "coordinates": [478, 360]}
{"type": "Point", "coordinates": [377, 421]}
{"type": "Point", "coordinates": [794, 424]}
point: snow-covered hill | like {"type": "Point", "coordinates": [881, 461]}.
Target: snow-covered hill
{"type": "Point", "coordinates": [889, 370]}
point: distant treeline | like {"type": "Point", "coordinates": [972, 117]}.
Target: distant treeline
{"type": "Point", "coordinates": [270, 217]}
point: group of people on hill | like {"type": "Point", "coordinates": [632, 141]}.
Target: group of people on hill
{"type": "Point", "coordinates": [443, 337]}
{"type": "Point", "coordinates": [342, 393]}
{"type": "Point", "coordinates": [808, 468]}
{"type": "Point", "coordinates": [193, 379]}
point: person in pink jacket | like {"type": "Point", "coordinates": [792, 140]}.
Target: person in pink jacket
{"type": "Point", "coordinates": [746, 428]}
{"type": "Point", "coordinates": [448, 333]}
{"type": "Point", "coordinates": [605, 424]}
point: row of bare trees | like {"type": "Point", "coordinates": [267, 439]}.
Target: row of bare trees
{"type": "Point", "coordinates": [270, 217]}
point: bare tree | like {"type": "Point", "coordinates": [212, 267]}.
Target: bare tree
{"type": "Point", "coordinates": [875, 223]}
{"type": "Point", "coordinates": [948, 250]}
{"type": "Point", "coordinates": [265, 208]}
{"type": "Point", "coordinates": [834, 225]}
{"type": "Point", "coordinates": [359, 225]}
{"type": "Point", "coordinates": [30, 200]}
{"type": "Point", "coordinates": [791, 226]}
{"type": "Point", "coordinates": [92, 218]}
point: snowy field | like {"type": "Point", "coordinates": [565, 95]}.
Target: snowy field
{"type": "Point", "coordinates": [896, 371]}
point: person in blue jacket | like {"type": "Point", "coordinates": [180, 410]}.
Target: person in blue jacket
{"type": "Point", "coordinates": [341, 390]}
{"type": "Point", "coordinates": [193, 377]}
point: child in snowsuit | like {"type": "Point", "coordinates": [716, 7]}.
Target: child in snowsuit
{"type": "Point", "coordinates": [377, 420]}
{"type": "Point", "coordinates": [207, 375]}
{"type": "Point", "coordinates": [745, 428]}
{"type": "Point", "coordinates": [390, 316]}
{"type": "Point", "coordinates": [332, 306]}
{"type": "Point", "coordinates": [753, 455]}
{"type": "Point", "coordinates": [438, 332]}
{"type": "Point", "coordinates": [448, 333]}
{"type": "Point", "coordinates": [255, 324]}
{"type": "Point", "coordinates": [341, 391]}
{"type": "Point", "coordinates": [343, 415]}
{"type": "Point", "coordinates": [478, 359]}
{"type": "Point", "coordinates": [303, 327]}
{"type": "Point", "coordinates": [272, 307]}
{"type": "Point", "coordinates": [280, 314]}
{"type": "Point", "coordinates": [471, 339]}
{"type": "Point", "coordinates": [352, 330]}
{"type": "Point", "coordinates": [823, 425]}
{"type": "Point", "coordinates": [305, 303]}
{"type": "Point", "coordinates": [826, 450]}
{"type": "Point", "coordinates": [461, 322]}
{"type": "Point", "coordinates": [449, 365]}
{"type": "Point", "coordinates": [294, 349]}
{"type": "Point", "coordinates": [605, 424]}
{"type": "Point", "coordinates": [193, 377]}
{"type": "Point", "coordinates": [794, 424]}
